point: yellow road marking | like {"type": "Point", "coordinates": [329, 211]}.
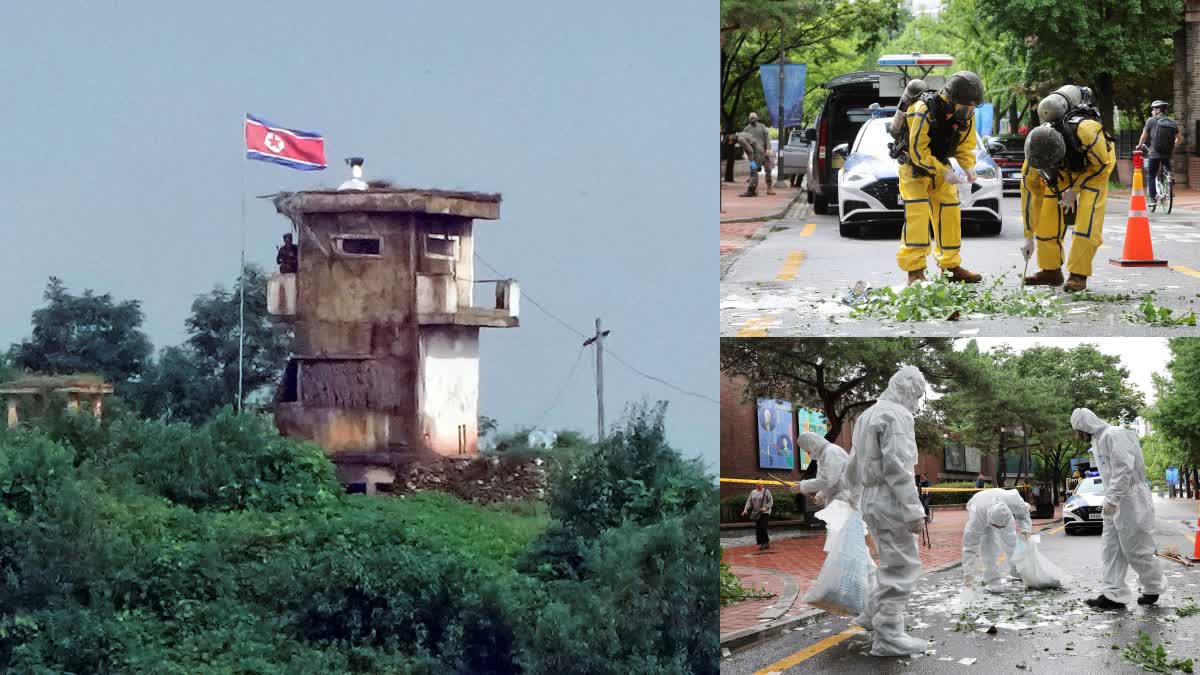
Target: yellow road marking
{"type": "Point", "coordinates": [809, 652]}
{"type": "Point", "coordinates": [788, 271]}
{"type": "Point", "coordinates": [756, 327]}
{"type": "Point", "coordinates": [1186, 270]}
{"type": "Point", "coordinates": [809, 228]}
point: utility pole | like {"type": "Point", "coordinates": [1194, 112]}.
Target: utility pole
{"type": "Point", "coordinates": [782, 123]}
{"type": "Point", "coordinates": [598, 340]}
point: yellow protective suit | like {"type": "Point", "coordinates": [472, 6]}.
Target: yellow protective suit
{"type": "Point", "coordinates": [1043, 217]}
{"type": "Point", "coordinates": [931, 206]}
{"type": "Point", "coordinates": [1092, 186]}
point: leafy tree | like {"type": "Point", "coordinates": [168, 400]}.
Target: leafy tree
{"type": "Point", "coordinates": [1176, 412]}
{"type": "Point", "coordinates": [838, 376]}
{"type": "Point", "coordinates": [1033, 392]}
{"type": "Point", "coordinates": [193, 380]}
{"type": "Point", "coordinates": [812, 31]}
{"type": "Point", "coordinates": [1090, 43]}
{"type": "Point", "coordinates": [86, 333]}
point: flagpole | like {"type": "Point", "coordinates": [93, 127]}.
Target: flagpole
{"type": "Point", "coordinates": [242, 278]}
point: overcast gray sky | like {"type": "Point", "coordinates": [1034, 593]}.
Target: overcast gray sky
{"type": "Point", "coordinates": [124, 164]}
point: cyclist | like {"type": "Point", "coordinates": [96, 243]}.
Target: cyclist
{"type": "Point", "coordinates": [1163, 133]}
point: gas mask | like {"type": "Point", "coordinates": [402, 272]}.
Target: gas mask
{"type": "Point", "coordinates": [963, 114]}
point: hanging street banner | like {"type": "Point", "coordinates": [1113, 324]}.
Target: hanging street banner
{"type": "Point", "coordinates": [793, 92]}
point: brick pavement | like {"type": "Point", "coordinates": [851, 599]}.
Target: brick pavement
{"type": "Point", "coordinates": [734, 235]}
{"type": "Point", "coordinates": [742, 614]}
{"type": "Point", "coordinates": [733, 206]}
{"type": "Point", "coordinates": [802, 559]}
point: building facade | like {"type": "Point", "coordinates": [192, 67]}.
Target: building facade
{"type": "Point", "coordinates": [385, 367]}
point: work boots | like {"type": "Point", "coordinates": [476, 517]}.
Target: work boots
{"type": "Point", "coordinates": [1075, 283]}
{"type": "Point", "coordinates": [1045, 278]}
{"type": "Point", "coordinates": [748, 193]}
{"type": "Point", "coordinates": [890, 638]}
{"type": "Point", "coordinates": [1148, 599]}
{"type": "Point", "coordinates": [964, 275]}
{"type": "Point", "coordinates": [915, 276]}
{"type": "Point", "coordinates": [770, 186]}
{"type": "Point", "coordinates": [1103, 602]}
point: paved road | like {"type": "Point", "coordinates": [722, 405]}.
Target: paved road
{"type": "Point", "coordinates": [1066, 635]}
{"type": "Point", "coordinates": [785, 284]}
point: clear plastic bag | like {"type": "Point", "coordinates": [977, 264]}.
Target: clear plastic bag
{"type": "Point", "coordinates": [846, 577]}
{"type": "Point", "coordinates": [1035, 569]}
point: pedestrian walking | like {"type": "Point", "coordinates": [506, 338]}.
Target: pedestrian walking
{"type": "Point", "coordinates": [881, 481]}
{"type": "Point", "coordinates": [1128, 513]}
{"type": "Point", "coordinates": [760, 131]}
{"type": "Point", "coordinates": [759, 504]}
{"type": "Point", "coordinates": [940, 125]}
{"type": "Point", "coordinates": [980, 481]}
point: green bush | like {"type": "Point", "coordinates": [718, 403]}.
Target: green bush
{"type": "Point", "coordinates": [952, 497]}
{"type": "Point", "coordinates": [130, 546]}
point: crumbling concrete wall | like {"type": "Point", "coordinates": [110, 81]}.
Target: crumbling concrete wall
{"type": "Point", "coordinates": [450, 389]}
{"type": "Point", "coordinates": [335, 430]}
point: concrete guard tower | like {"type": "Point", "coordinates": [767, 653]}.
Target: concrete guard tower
{"type": "Point", "coordinates": [385, 368]}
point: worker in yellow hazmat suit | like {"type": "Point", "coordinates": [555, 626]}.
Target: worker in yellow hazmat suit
{"type": "Point", "coordinates": [1080, 183]}
{"type": "Point", "coordinates": [941, 125]}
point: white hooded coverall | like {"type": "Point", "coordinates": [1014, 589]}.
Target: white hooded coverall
{"type": "Point", "coordinates": [881, 471]}
{"type": "Point", "coordinates": [831, 462]}
{"type": "Point", "coordinates": [1128, 538]}
{"type": "Point", "coordinates": [981, 540]}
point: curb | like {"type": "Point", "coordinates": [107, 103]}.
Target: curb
{"type": "Point", "coordinates": [728, 259]}
{"type": "Point", "coordinates": [745, 637]}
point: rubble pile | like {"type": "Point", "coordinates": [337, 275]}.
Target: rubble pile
{"type": "Point", "coordinates": [482, 480]}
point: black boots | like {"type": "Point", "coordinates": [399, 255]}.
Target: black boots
{"type": "Point", "coordinates": [1103, 602]}
{"type": "Point", "coordinates": [1148, 599]}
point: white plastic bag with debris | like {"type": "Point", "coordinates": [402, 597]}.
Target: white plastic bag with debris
{"type": "Point", "coordinates": [835, 516]}
{"type": "Point", "coordinates": [1035, 569]}
{"type": "Point", "coordinates": [843, 583]}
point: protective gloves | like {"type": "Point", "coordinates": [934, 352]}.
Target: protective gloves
{"type": "Point", "coordinates": [970, 175]}
{"type": "Point", "coordinates": [968, 580]}
{"type": "Point", "coordinates": [1027, 248]}
{"type": "Point", "coordinates": [1069, 200]}
{"type": "Point", "coordinates": [754, 166]}
{"type": "Point", "coordinates": [917, 526]}
{"type": "Point", "coordinates": [1110, 509]}
{"type": "Point", "coordinates": [1025, 536]}
{"type": "Point", "coordinates": [950, 177]}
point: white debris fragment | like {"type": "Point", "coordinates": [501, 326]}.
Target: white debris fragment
{"type": "Point", "coordinates": [725, 653]}
{"type": "Point", "coordinates": [968, 661]}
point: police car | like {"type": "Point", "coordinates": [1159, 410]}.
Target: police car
{"type": "Point", "coordinates": [868, 182]}
{"type": "Point", "coordinates": [1083, 507]}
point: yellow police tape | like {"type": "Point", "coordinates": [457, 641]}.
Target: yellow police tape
{"type": "Point", "coordinates": [928, 489]}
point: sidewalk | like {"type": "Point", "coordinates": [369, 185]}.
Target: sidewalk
{"type": "Point", "coordinates": [741, 217]}
{"type": "Point", "coordinates": [801, 559]}
{"type": "Point", "coordinates": [1186, 198]}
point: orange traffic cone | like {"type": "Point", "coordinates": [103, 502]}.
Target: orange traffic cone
{"type": "Point", "coordinates": [1196, 549]}
{"type": "Point", "coordinates": [1139, 252]}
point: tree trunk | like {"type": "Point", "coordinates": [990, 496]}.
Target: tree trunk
{"type": "Point", "coordinates": [1104, 99]}
{"type": "Point", "coordinates": [1000, 468]}
{"type": "Point", "coordinates": [1195, 478]}
{"type": "Point", "coordinates": [729, 168]}
{"type": "Point", "coordinates": [1014, 118]}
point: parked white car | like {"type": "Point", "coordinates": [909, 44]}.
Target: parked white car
{"type": "Point", "coordinates": [868, 182]}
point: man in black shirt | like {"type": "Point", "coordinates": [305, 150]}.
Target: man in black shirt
{"type": "Point", "coordinates": [288, 257]}
{"type": "Point", "coordinates": [1161, 144]}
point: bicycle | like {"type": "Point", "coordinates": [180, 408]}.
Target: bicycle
{"type": "Point", "coordinates": [1164, 184]}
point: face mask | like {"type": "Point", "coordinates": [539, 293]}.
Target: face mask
{"type": "Point", "coordinates": [753, 123]}
{"type": "Point", "coordinates": [963, 114]}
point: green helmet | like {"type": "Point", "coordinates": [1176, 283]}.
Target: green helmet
{"type": "Point", "coordinates": [964, 87]}
{"type": "Point", "coordinates": [1045, 148]}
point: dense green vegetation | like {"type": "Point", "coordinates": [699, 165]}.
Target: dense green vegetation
{"type": "Point", "coordinates": [148, 546]}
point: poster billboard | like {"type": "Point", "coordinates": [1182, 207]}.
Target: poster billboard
{"type": "Point", "coordinates": [962, 458]}
{"type": "Point", "coordinates": [776, 441]}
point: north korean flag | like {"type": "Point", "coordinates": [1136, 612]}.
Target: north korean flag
{"type": "Point", "coordinates": [266, 142]}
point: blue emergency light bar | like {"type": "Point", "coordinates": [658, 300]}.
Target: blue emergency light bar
{"type": "Point", "coordinates": [916, 59]}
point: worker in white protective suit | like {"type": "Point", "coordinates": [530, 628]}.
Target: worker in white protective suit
{"type": "Point", "coordinates": [1128, 513]}
{"type": "Point", "coordinates": [989, 533]}
{"type": "Point", "coordinates": [831, 462]}
{"type": "Point", "coordinates": [880, 478]}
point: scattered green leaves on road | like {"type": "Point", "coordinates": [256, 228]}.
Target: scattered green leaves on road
{"type": "Point", "coordinates": [1187, 610]}
{"type": "Point", "coordinates": [1153, 658]}
{"type": "Point", "coordinates": [1149, 313]}
{"type": "Point", "coordinates": [733, 591]}
{"type": "Point", "coordinates": [940, 299]}
{"type": "Point", "coordinates": [1088, 296]}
